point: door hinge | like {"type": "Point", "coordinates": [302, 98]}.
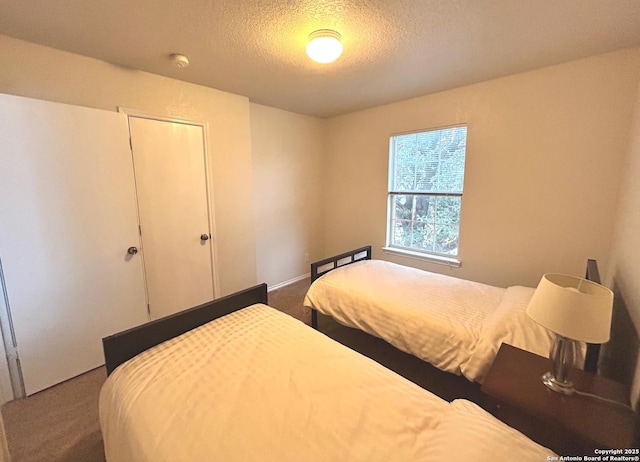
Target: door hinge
{"type": "Point", "coordinates": [130, 144]}
{"type": "Point", "coordinates": [140, 230]}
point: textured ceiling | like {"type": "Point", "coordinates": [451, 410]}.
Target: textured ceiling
{"type": "Point", "coordinates": [394, 49]}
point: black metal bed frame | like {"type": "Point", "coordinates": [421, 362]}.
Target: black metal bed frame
{"type": "Point", "coordinates": [321, 267]}
{"type": "Point", "coordinates": [364, 253]}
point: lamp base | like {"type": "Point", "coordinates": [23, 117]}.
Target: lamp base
{"type": "Point", "coordinates": [566, 387]}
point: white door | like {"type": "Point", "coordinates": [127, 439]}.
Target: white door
{"type": "Point", "coordinates": [169, 164]}
{"type": "Point", "coordinates": [67, 218]}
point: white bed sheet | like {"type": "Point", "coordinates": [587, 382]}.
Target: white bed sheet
{"type": "Point", "coordinates": [258, 385]}
{"type": "Point", "coordinates": [250, 386]}
{"type": "Point", "coordinates": [438, 318]}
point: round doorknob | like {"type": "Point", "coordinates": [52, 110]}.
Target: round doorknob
{"type": "Point", "coordinates": [132, 250]}
{"type": "Point", "coordinates": [204, 237]}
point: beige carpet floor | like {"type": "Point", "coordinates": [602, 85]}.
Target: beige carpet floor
{"type": "Point", "coordinates": [60, 424]}
{"type": "Point", "coordinates": [57, 424]}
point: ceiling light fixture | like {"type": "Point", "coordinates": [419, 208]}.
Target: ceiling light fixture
{"type": "Point", "coordinates": [178, 60]}
{"type": "Point", "coordinates": [324, 46]}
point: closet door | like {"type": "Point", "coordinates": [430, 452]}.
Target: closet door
{"type": "Point", "coordinates": [169, 164]}
{"type": "Point", "coordinates": [67, 218]}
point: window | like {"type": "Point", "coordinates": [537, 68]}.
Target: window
{"type": "Point", "coordinates": [426, 177]}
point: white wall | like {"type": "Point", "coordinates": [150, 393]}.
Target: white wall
{"type": "Point", "coordinates": [624, 276]}
{"type": "Point", "coordinates": [545, 154]}
{"type": "Point", "coordinates": [39, 72]}
{"type": "Point", "coordinates": [35, 71]}
{"type": "Point", "coordinates": [287, 174]}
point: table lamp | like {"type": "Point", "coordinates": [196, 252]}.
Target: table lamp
{"type": "Point", "coordinates": [575, 309]}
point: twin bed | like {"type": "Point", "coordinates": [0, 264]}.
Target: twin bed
{"type": "Point", "coordinates": [244, 382]}
{"type": "Point", "coordinates": [453, 324]}
{"type": "Point", "coordinates": [237, 380]}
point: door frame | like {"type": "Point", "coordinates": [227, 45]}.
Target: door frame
{"type": "Point", "coordinates": [213, 249]}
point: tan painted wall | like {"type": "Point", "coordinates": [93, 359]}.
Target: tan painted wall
{"type": "Point", "coordinates": [35, 71]}
{"type": "Point", "coordinates": [545, 154]}
{"type": "Point", "coordinates": [287, 174]}
{"type": "Point", "coordinates": [624, 276]}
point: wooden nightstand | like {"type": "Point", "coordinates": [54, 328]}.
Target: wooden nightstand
{"type": "Point", "coordinates": [569, 425]}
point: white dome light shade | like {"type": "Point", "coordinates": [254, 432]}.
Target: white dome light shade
{"type": "Point", "coordinates": [324, 46]}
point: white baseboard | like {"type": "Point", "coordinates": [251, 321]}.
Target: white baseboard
{"type": "Point", "coordinates": [286, 283]}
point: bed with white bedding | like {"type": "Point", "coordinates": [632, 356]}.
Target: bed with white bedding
{"type": "Point", "coordinates": [258, 385]}
{"type": "Point", "coordinates": [454, 324]}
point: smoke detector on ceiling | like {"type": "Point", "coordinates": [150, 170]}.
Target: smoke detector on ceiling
{"type": "Point", "coordinates": [179, 61]}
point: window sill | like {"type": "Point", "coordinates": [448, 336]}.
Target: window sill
{"type": "Point", "coordinates": [438, 259]}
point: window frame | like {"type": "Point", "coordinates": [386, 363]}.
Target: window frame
{"type": "Point", "coordinates": [436, 257]}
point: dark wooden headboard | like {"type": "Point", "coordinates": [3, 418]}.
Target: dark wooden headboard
{"type": "Point", "coordinates": [593, 349]}
{"type": "Point", "coordinates": [123, 346]}
{"type": "Point", "coordinates": [619, 356]}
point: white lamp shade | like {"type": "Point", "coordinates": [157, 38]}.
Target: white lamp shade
{"type": "Point", "coordinates": [324, 46]}
{"type": "Point", "coordinates": [573, 307]}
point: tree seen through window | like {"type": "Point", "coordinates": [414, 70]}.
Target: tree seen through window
{"type": "Point", "coordinates": [426, 179]}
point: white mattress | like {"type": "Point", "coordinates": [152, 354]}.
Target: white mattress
{"type": "Point", "coordinates": [257, 385]}
{"type": "Point", "coordinates": [454, 324]}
